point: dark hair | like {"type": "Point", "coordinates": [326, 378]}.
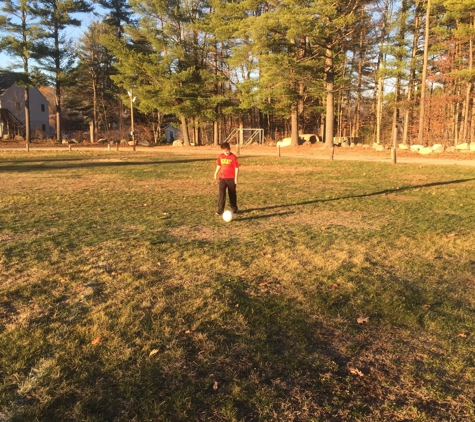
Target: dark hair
{"type": "Point", "coordinates": [225, 145]}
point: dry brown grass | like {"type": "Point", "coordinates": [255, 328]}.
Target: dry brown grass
{"type": "Point", "coordinates": [341, 293]}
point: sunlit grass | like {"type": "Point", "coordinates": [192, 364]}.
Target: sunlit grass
{"type": "Point", "coordinates": [343, 291]}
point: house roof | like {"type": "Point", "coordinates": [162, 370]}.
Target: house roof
{"type": "Point", "coordinates": [6, 81]}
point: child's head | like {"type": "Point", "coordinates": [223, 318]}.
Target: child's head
{"type": "Point", "coordinates": [225, 146]}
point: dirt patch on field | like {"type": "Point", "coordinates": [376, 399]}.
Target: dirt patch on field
{"type": "Point", "coordinates": [358, 152]}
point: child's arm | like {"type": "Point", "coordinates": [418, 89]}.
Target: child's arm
{"type": "Point", "coordinates": [217, 171]}
{"type": "Point", "coordinates": [236, 172]}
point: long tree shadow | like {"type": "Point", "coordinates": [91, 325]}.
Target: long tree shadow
{"type": "Point", "coordinates": [264, 355]}
{"type": "Point", "coordinates": [102, 164]}
{"type": "Point", "coordinates": [257, 217]}
{"type": "Point", "coordinates": [362, 195]}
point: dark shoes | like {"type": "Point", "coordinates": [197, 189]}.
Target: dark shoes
{"type": "Point", "coordinates": [220, 213]}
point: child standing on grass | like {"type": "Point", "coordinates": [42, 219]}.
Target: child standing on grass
{"type": "Point", "coordinates": [228, 170]}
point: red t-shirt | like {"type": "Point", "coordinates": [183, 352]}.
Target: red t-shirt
{"type": "Point", "coordinates": [228, 164]}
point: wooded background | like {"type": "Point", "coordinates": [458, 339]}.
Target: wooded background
{"type": "Point", "coordinates": [378, 71]}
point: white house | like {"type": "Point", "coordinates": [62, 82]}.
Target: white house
{"type": "Point", "coordinates": [12, 110]}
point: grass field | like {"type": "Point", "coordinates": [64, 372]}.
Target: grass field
{"type": "Point", "coordinates": [342, 292]}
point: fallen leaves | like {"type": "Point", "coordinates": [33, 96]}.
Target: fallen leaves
{"type": "Point", "coordinates": [96, 341]}
{"type": "Point", "coordinates": [362, 320]}
{"type": "Point", "coordinates": [356, 371]}
{"type": "Point", "coordinates": [152, 353]}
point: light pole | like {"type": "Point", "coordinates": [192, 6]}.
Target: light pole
{"type": "Point", "coordinates": [132, 131]}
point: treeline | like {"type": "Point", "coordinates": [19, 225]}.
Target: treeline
{"type": "Point", "coordinates": [380, 71]}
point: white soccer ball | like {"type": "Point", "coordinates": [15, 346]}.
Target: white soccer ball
{"type": "Point", "coordinates": [228, 216]}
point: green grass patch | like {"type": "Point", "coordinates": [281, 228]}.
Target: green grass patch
{"type": "Point", "coordinates": [343, 291]}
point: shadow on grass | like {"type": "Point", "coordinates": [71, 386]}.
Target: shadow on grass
{"type": "Point", "coordinates": [260, 354]}
{"type": "Point", "coordinates": [93, 164]}
{"type": "Point", "coordinates": [363, 195]}
{"type": "Point", "coordinates": [257, 217]}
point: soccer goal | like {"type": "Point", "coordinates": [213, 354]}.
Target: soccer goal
{"type": "Point", "coordinates": [245, 136]}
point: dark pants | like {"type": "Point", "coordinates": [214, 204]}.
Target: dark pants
{"type": "Point", "coordinates": [231, 187]}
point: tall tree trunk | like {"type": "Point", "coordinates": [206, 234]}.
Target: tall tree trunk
{"type": "Point", "coordinates": [340, 102]}
{"type": "Point", "coordinates": [400, 44]}
{"type": "Point", "coordinates": [380, 74]}
{"type": "Point", "coordinates": [408, 111]}
{"type": "Point", "coordinates": [456, 122]}
{"type": "Point", "coordinates": [469, 88]}
{"type": "Point", "coordinates": [300, 110]}
{"type": "Point", "coordinates": [57, 64]}
{"type": "Point", "coordinates": [361, 58]}
{"type": "Point", "coordinates": [294, 126]}
{"type": "Point", "coordinates": [27, 86]}
{"type": "Point", "coordinates": [215, 133]}
{"type": "Point", "coordinates": [379, 108]}
{"type": "Point", "coordinates": [184, 131]}
{"type": "Point", "coordinates": [120, 120]}
{"type": "Point", "coordinates": [27, 104]}
{"type": "Point", "coordinates": [196, 131]}
{"type": "Point", "coordinates": [394, 126]}
{"type": "Point", "coordinates": [132, 121]}
{"type": "Point", "coordinates": [94, 109]}
{"type": "Point", "coordinates": [420, 137]}
{"type": "Point", "coordinates": [330, 98]}
{"type": "Point", "coordinates": [59, 137]}
{"type": "Point", "coordinates": [27, 115]}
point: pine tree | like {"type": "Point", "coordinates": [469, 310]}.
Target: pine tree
{"type": "Point", "coordinates": [119, 13]}
{"type": "Point", "coordinates": [166, 62]}
{"type": "Point", "coordinates": [458, 22]}
{"type": "Point", "coordinates": [55, 51]}
{"type": "Point", "coordinates": [92, 80]}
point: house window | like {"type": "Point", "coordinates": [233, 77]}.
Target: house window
{"type": "Point", "coordinates": [42, 107]}
{"type": "Point", "coordinates": [43, 126]}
